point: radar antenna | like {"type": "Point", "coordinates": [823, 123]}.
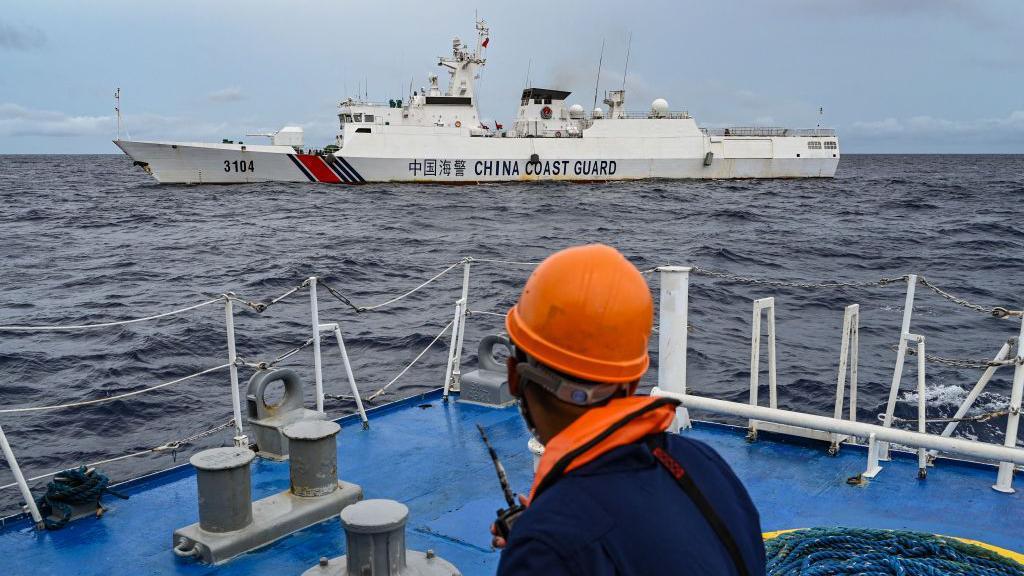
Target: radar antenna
{"type": "Point", "coordinates": [629, 45]}
{"type": "Point", "coordinates": [597, 84]}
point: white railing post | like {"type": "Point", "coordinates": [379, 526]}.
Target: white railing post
{"type": "Point", "coordinates": [236, 401]}
{"type": "Point", "coordinates": [457, 367]}
{"type": "Point", "coordinates": [26, 494]}
{"type": "Point", "coordinates": [848, 358]}
{"type": "Point", "coordinates": [673, 323]}
{"type": "Point", "coordinates": [922, 456]}
{"type": "Point", "coordinates": [351, 377]}
{"type": "Point", "coordinates": [972, 396]}
{"type": "Point", "coordinates": [1004, 480]}
{"type": "Point", "coordinates": [314, 312]}
{"type": "Point", "coordinates": [873, 468]}
{"type": "Point", "coordinates": [755, 357]}
{"type": "Point", "coordinates": [901, 352]}
{"type": "Point", "coordinates": [452, 350]}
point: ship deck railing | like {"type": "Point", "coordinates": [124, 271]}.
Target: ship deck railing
{"type": "Point", "coordinates": [766, 131]}
{"type": "Point", "coordinates": [672, 346]}
{"type": "Point", "coordinates": [649, 115]}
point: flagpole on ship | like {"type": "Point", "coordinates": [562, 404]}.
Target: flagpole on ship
{"type": "Point", "coordinates": [117, 110]}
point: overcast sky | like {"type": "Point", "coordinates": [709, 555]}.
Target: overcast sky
{"type": "Point", "coordinates": [891, 75]}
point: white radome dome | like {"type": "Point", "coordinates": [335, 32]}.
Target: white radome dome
{"type": "Point", "coordinates": [659, 107]}
{"type": "Point", "coordinates": [576, 111]}
{"type": "Point", "coordinates": [598, 113]}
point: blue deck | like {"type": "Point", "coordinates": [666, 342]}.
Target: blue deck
{"type": "Point", "coordinates": [429, 456]}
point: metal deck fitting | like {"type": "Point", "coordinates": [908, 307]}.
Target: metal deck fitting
{"type": "Point", "coordinates": [230, 525]}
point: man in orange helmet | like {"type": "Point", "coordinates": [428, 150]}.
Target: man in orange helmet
{"type": "Point", "coordinates": [614, 493]}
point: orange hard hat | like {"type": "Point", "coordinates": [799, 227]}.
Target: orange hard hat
{"type": "Point", "coordinates": [586, 312]}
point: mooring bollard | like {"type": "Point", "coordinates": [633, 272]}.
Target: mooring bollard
{"type": "Point", "coordinates": [313, 463]}
{"type": "Point", "coordinates": [375, 542]}
{"type": "Point", "coordinates": [375, 537]}
{"type": "Point", "coordinates": [225, 488]}
{"type": "Point", "coordinates": [231, 524]}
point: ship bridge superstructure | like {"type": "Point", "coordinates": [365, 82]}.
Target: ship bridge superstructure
{"type": "Point", "coordinates": [452, 111]}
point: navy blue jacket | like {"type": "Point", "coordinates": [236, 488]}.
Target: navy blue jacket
{"type": "Point", "coordinates": [625, 514]}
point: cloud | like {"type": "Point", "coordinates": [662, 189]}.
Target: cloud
{"type": "Point", "coordinates": [21, 121]}
{"type": "Point", "coordinates": [226, 95]}
{"type": "Point", "coordinates": [1011, 125]}
{"type": "Point", "coordinates": [18, 120]}
{"type": "Point", "coordinates": [21, 39]}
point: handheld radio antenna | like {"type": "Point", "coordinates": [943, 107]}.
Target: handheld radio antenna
{"type": "Point", "coordinates": [502, 477]}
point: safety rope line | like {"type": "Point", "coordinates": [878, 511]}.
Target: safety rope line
{"type": "Point", "coordinates": [997, 311]}
{"type": "Point", "coordinates": [976, 418]}
{"type": "Point", "coordinates": [110, 398]}
{"type": "Point", "coordinates": [495, 261]}
{"type": "Point", "coordinates": [107, 324]}
{"type": "Point", "coordinates": [348, 302]}
{"type": "Point", "coordinates": [261, 307]}
{"type": "Point", "coordinates": [964, 362]}
{"type": "Point", "coordinates": [263, 365]}
{"type": "Point", "coordinates": [255, 305]}
{"type": "Point", "coordinates": [411, 364]}
{"type": "Point", "coordinates": [172, 447]}
{"type": "Point", "coordinates": [472, 312]}
{"type": "Point", "coordinates": [884, 281]}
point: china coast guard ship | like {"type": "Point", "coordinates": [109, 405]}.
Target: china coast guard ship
{"type": "Point", "coordinates": [437, 136]}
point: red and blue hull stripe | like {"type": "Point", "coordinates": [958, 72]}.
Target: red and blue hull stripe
{"type": "Point", "coordinates": [332, 170]}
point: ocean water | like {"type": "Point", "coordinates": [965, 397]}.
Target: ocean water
{"type": "Point", "coordinates": [87, 239]}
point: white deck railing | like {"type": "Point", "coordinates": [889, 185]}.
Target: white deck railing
{"type": "Point", "coordinates": [672, 349]}
{"type": "Point", "coordinates": [671, 372]}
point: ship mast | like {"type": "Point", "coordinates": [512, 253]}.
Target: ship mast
{"type": "Point", "coordinates": [117, 110]}
{"type": "Point", "coordinates": [462, 64]}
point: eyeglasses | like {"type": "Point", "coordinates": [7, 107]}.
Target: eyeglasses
{"type": "Point", "coordinates": [566, 390]}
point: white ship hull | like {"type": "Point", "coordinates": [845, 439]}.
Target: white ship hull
{"type": "Point", "coordinates": [459, 159]}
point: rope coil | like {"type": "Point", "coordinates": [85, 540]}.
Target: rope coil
{"type": "Point", "coordinates": [76, 486]}
{"type": "Point", "coordinates": [832, 551]}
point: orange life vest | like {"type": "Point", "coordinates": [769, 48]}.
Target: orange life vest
{"type": "Point", "coordinates": [620, 422]}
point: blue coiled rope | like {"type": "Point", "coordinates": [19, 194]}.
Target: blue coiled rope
{"type": "Point", "coordinates": [828, 551]}
{"type": "Point", "coordinates": [76, 486]}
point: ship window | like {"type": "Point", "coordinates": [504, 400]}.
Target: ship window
{"type": "Point", "coordinates": [830, 145]}
{"type": "Point", "coordinates": [346, 118]}
{"type": "Point", "coordinates": [547, 100]}
{"type": "Point", "coordinates": [362, 130]}
{"type": "Point", "coordinates": [813, 145]}
{"type": "Point", "coordinates": [357, 117]}
{"type": "Point", "coordinates": [525, 102]}
{"type": "Point", "coordinates": [536, 100]}
{"type": "Point", "coordinates": [368, 118]}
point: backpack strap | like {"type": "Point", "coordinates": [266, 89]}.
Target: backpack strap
{"type": "Point", "coordinates": [655, 444]}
